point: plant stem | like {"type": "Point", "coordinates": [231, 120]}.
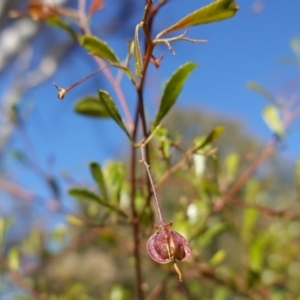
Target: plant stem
{"type": "Point", "coordinates": [161, 221]}
{"type": "Point", "coordinates": [135, 222]}
{"type": "Point", "coordinates": [140, 115]}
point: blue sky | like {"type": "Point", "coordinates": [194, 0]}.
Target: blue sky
{"type": "Point", "coordinates": [245, 48]}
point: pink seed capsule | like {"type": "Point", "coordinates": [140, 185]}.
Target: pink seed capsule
{"type": "Point", "coordinates": [168, 245]}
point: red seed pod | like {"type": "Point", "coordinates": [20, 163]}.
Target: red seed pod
{"type": "Point", "coordinates": [168, 245]}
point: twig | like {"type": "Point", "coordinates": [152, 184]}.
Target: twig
{"type": "Point", "coordinates": [266, 152]}
{"type": "Point", "coordinates": [181, 37]}
{"type": "Point", "coordinates": [63, 91]}
{"type": "Point", "coordinates": [266, 210]}
{"type": "Point", "coordinates": [143, 160]}
{"type": "Point", "coordinates": [174, 168]}
{"type": "Point", "coordinates": [159, 288]}
{"type": "Point", "coordinates": [112, 80]}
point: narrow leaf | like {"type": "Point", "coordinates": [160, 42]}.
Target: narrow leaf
{"type": "Point", "coordinates": [14, 258]}
{"type": "Point", "coordinates": [138, 60]}
{"type": "Point", "coordinates": [59, 23]}
{"type": "Point", "coordinates": [2, 230]}
{"type": "Point", "coordinates": [218, 257]}
{"type": "Point", "coordinates": [213, 12]}
{"type": "Point", "coordinates": [261, 90]}
{"type": "Point", "coordinates": [273, 120]}
{"type": "Point", "coordinates": [295, 45]}
{"type": "Point", "coordinates": [172, 90]}
{"type": "Point", "coordinates": [99, 48]}
{"type": "Point", "coordinates": [232, 163]}
{"type": "Point", "coordinates": [112, 110]}
{"type": "Point", "coordinates": [250, 215]}
{"type": "Point", "coordinates": [200, 164]}
{"type": "Point", "coordinates": [99, 178]}
{"type": "Point", "coordinates": [207, 237]}
{"type": "Point", "coordinates": [126, 70]}
{"type": "Point", "coordinates": [90, 106]}
{"type": "Point", "coordinates": [82, 193]}
{"type": "Point", "coordinates": [258, 252]}
{"type": "Point", "coordinates": [74, 220]}
{"type": "Point", "coordinates": [213, 135]}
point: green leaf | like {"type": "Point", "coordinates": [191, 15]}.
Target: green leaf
{"type": "Point", "coordinates": [2, 230]}
{"type": "Point", "coordinates": [4, 226]}
{"type": "Point", "coordinates": [250, 215]}
{"type": "Point", "coordinates": [32, 244]}
{"type": "Point", "coordinates": [59, 23]}
{"type": "Point", "coordinates": [213, 12]}
{"type": "Point", "coordinates": [14, 258]}
{"type": "Point", "coordinates": [213, 135]}
{"type": "Point", "coordinates": [90, 106]}
{"type": "Point", "coordinates": [126, 70]}
{"type": "Point", "coordinates": [74, 220]}
{"type": "Point", "coordinates": [257, 252]}
{"type": "Point", "coordinates": [138, 60]}
{"type": "Point", "coordinates": [214, 230]}
{"type": "Point", "coordinates": [172, 90]}
{"type": "Point", "coordinates": [295, 45]}
{"type": "Point", "coordinates": [221, 293]}
{"type": "Point", "coordinates": [99, 48]}
{"type": "Point", "coordinates": [77, 291]}
{"type": "Point", "coordinates": [232, 163]}
{"type": "Point", "coordinates": [252, 85]}
{"type": "Point", "coordinates": [82, 193]}
{"type": "Point", "coordinates": [218, 257]}
{"type": "Point", "coordinates": [272, 118]}
{"type": "Point", "coordinates": [21, 157]}
{"type": "Point", "coordinates": [199, 164]}
{"type": "Point", "coordinates": [107, 101]}
{"type": "Point", "coordinates": [99, 178]}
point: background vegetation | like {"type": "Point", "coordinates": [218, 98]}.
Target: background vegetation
{"type": "Point", "coordinates": [83, 235]}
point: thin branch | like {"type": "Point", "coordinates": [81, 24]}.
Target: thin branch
{"type": "Point", "coordinates": [112, 80]}
{"type": "Point", "coordinates": [266, 210]}
{"type": "Point", "coordinates": [63, 91]}
{"type": "Point", "coordinates": [266, 152]}
{"type": "Point", "coordinates": [143, 160]}
{"type": "Point", "coordinates": [173, 169]}
{"type": "Point", "coordinates": [181, 37]}
{"type": "Point", "coordinates": [135, 223]}
{"type": "Point", "coordinates": [159, 288]}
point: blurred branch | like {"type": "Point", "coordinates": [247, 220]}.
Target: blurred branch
{"type": "Point", "coordinates": [265, 153]}
{"type": "Point", "coordinates": [20, 280]}
{"type": "Point", "coordinates": [288, 117]}
{"type": "Point", "coordinates": [112, 80]}
{"type": "Point", "coordinates": [286, 214]}
{"type": "Point", "coordinates": [158, 289]}
{"type": "Point", "coordinates": [51, 204]}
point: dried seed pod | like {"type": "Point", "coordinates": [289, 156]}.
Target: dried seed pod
{"type": "Point", "coordinates": [168, 245]}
